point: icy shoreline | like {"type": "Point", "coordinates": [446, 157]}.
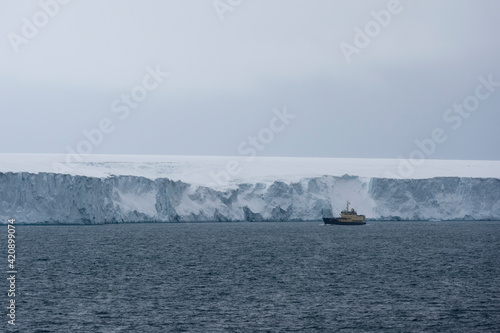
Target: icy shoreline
{"type": "Point", "coordinates": [52, 198]}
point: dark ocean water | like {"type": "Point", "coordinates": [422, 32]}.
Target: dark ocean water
{"type": "Point", "coordinates": [259, 277]}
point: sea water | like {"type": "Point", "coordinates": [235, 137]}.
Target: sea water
{"type": "Point", "coordinates": [259, 277]}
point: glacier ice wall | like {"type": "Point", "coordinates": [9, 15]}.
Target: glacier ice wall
{"type": "Point", "coordinates": [65, 199]}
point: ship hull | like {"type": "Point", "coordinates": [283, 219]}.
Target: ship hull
{"type": "Point", "coordinates": [341, 222]}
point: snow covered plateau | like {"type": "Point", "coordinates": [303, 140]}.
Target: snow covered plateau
{"type": "Point", "coordinates": [112, 189]}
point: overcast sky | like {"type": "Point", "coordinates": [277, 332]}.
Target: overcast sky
{"type": "Point", "coordinates": [232, 68]}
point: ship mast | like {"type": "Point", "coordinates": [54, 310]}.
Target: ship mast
{"type": "Point", "coordinates": [347, 207]}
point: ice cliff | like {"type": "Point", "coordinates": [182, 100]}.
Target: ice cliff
{"type": "Point", "coordinates": [73, 199]}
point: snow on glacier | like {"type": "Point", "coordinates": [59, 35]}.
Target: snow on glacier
{"type": "Point", "coordinates": [199, 169]}
{"type": "Point", "coordinates": [112, 189]}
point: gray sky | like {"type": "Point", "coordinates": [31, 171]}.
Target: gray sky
{"type": "Point", "coordinates": [227, 76]}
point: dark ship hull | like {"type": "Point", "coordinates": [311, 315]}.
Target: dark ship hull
{"type": "Point", "coordinates": [331, 220]}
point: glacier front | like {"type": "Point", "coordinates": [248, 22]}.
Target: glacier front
{"type": "Point", "coordinates": [56, 198]}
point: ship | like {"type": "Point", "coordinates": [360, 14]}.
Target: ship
{"type": "Point", "coordinates": [347, 217]}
